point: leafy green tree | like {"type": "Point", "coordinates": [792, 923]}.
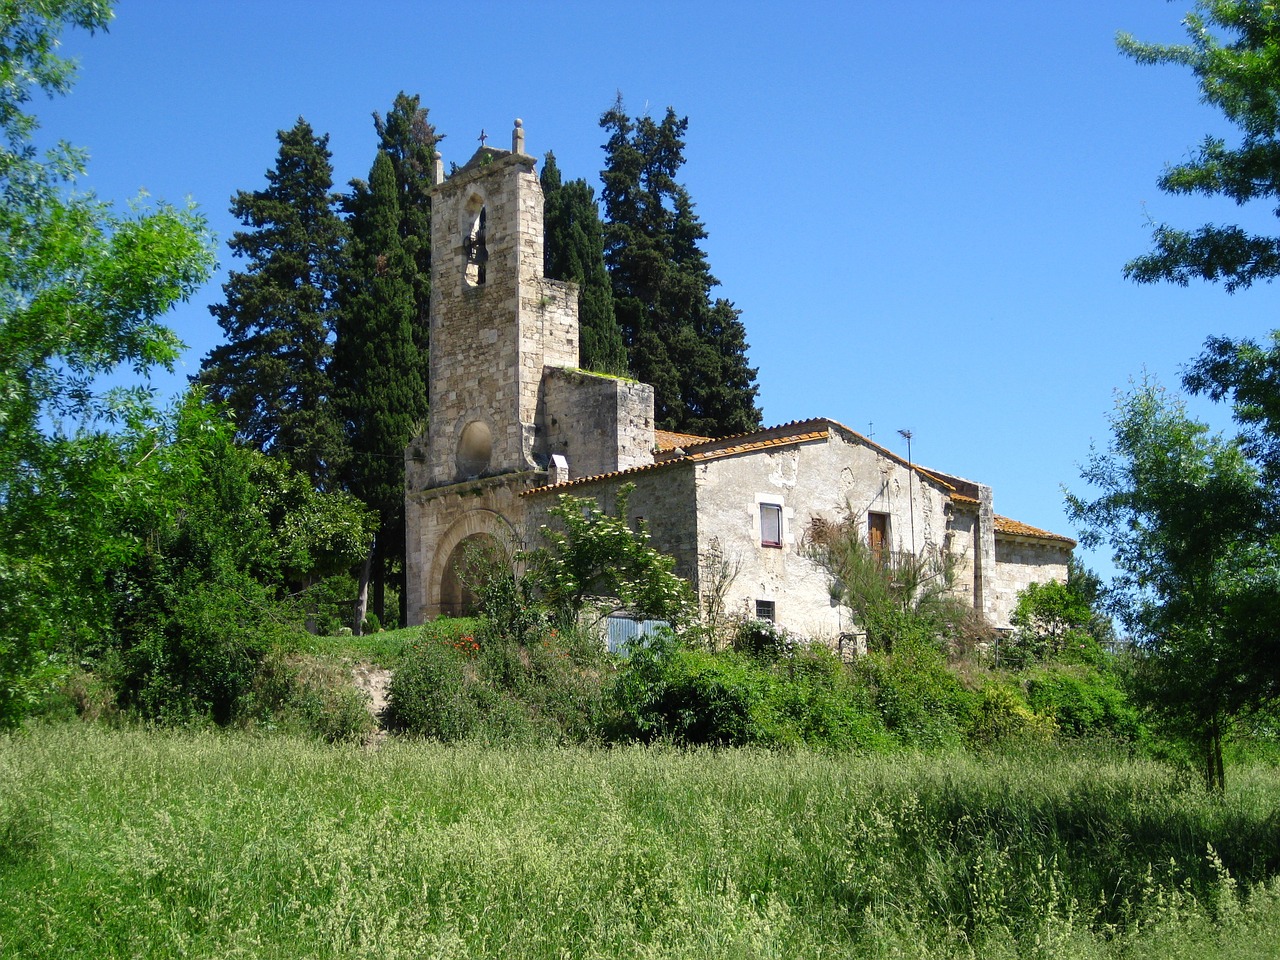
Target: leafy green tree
{"type": "Point", "coordinates": [1216, 650]}
{"type": "Point", "coordinates": [378, 372]}
{"type": "Point", "coordinates": [693, 351]}
{"type": "Point", "coordinates": [1053, 621]}
{"type": "Point", "coordinates": [575, 251]}
{"type": "Point", "coordinates": [227, 542]}
{"type": "Point", "coordinates": [593, 559]}
{"type": "Point", "coordinates": [1188, 519]}
{"type": "Point", "coordinates": [82, 291]}
{"type": "Point", "coordinates": [1234, 51]}
{"type": "Point", "coordinates": [279, 314]}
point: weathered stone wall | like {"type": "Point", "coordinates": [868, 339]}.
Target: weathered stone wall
{"type": "Point", "coordinates": [828, 480]}
{"type": "Point", "coordinates": [439, 519]}
{"type": "Point", "coordinates": [599, 424]}
{"type": "Point", "coordinates": [664, 498]}
{"type": "Point", "coordinates": [964, 547]}
{"type": "Point", "coordinates": [491, 337]}
{"type": "Point", "coordinates": [1020, 562]}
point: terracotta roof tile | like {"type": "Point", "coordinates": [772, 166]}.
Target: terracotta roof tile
{"type": "Point", "coordinates": [668, 439]}
{"type": "Point", "coordinates": [786, 437]}
{"type": "Point", "coordinates": [1016, 528]}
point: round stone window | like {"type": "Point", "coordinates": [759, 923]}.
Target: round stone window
{"type": "Point", "coordinates": [475, 449]}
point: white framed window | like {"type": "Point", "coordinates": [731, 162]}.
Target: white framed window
{"type": "Point", "coordinates": [770, 524]}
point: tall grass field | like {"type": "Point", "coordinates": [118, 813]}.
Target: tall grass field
{"type": "Point", "coordinates": [142, 843]}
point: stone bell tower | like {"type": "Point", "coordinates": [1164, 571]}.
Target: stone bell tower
{"type": "Point", "coordinates": [510, 411]}
{"type": "Point", "coordinates": [496, 321]}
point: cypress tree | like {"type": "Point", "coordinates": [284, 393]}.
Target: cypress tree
{"type": "Point", "coordinates": [409, 140]}
{"type": "Point", "coordinates": [575, 251]}
{"type": "Point", "coordinates": [279, 313]}
{"type": "Point", "coordinates": [692, 350]}
{"type": "Point", "coordinates": [378, 371]}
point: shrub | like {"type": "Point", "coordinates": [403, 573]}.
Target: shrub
{"type": "Point", "coordinates": [920, 700]}
{"type": "Point", "coordinates": [762, 639]}
{"type": "Point", "coordinates": [430, 694]}
{"type": "Point", "coordinates": [1084, 702]}
{"type": "Point", "coordinates": [1002, 715]}
{"type": "Point", "coordinates": [669, 691]}
{"type": "Point", "coordinates": [488, 684]}
{"type": "Point", "coordinates": [310, 696]}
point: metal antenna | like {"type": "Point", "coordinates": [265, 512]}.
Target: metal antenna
{"type": "Point", "coordinates": [911, 500]}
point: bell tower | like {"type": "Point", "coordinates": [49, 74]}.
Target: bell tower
{"type": "Point", "coordinates": [496, 321]}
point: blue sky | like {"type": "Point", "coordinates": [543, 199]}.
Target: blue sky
{"type": "Point", "coordinates": [921, 209]}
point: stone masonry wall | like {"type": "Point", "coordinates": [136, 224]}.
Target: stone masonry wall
{"type": "Point", "coordinates": [491, 340]}
{"type": "Point", "coordinates": [1020, 562]}
{"type": "Point", "coordinates": [599, 424]}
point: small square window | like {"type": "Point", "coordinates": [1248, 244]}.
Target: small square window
{"type": "Point", "coordinates": [770, 525]}
{"type": "Point", "coordinates": [765, 610]}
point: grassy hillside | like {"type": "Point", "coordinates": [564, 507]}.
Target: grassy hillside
{"type": "Point", "coordinates": [127, 842]}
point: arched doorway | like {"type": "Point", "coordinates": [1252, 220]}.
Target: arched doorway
{"type": "Point", "coordinates": [465, 564]}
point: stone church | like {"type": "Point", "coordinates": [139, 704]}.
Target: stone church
{"type": "Point", "coordinates": [515, 423]}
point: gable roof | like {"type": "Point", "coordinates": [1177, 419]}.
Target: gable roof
{"type": "Point", "coordinates": [684, 448]}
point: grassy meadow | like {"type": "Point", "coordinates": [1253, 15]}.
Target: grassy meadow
{"type": "Point", "coordinates": [134, 842]}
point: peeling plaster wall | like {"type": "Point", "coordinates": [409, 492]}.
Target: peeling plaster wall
{"type": "Point", "coordinates": [830, 480]}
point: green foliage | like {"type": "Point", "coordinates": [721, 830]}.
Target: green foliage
{"type": "Point", "coordinates": [379, 370]}
{"type": "Point", "coordinates": [490, 685]}
{"type": "Point", "coordinates": [82, 291]}
{"type": "Point", "coordinates": [1184, 512]}
{"type": "Point", "coordinates": [225, 541]}
{"type": "Point", "coordinates": [1084, 703]}
{"type": "Point", "coordinates": [894, 597]}
{"type": "Point", "coordinates": [285, 847]}
{"type": "Point", "coordinates": [667, 691]}
{"type": "Point", "coordinates": [279, 314]}
{"type": "Point", "coordinates": [430, 693]}
{"type": "Point", "coordinates": [1001, 716]}
{"type": "Point", "coordinates": [1054, 621]}
{"type": "Point", "coordinates": [595, 561]}
{"type": "Point", "coordinates": [575, 251]}
{"type": "Point", "coordinates": [409, 139]}
{"type": "Point", "coordinates": [1234, 52]}
{"type": "Point", "coordinates": [692, 350]}
{"type": "Point", "coordinates": [922, 703]}
{"type": "Point", "coordinates": [762, 639]}
{"type": "Point", "coordinates": [307, 696]}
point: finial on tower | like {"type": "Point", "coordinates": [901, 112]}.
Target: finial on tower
{"type": "Point", "coordinates": [517, 137]}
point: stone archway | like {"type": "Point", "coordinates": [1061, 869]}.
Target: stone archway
{"type": "Point", "coordinates": [477, 530]}
{"type": "Point", "coordinates": [457, 587]}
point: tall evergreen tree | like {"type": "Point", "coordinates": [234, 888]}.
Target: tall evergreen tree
{"type": "Point", "coordinates": [409, 140]}
{"type": "Point", "coordinates": [575, 251]}
{"type": "Point", "coordinates": [279, 313]}
{"type": "Point", "coordinates": [693, 351]}
{"type": "Point", "coordinates": [378, 372]}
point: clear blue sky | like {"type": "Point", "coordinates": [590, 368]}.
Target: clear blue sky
{"type": "Point", "coordinates": [922, 210]}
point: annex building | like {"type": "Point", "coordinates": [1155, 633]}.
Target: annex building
{"type": "Point", "coordinates": [514, 424]}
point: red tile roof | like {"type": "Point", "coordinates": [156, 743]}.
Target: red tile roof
{"type": "Point", "coordinates": [1015, 528]}
{"type": "Point", "coordinates": [666, 440]}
